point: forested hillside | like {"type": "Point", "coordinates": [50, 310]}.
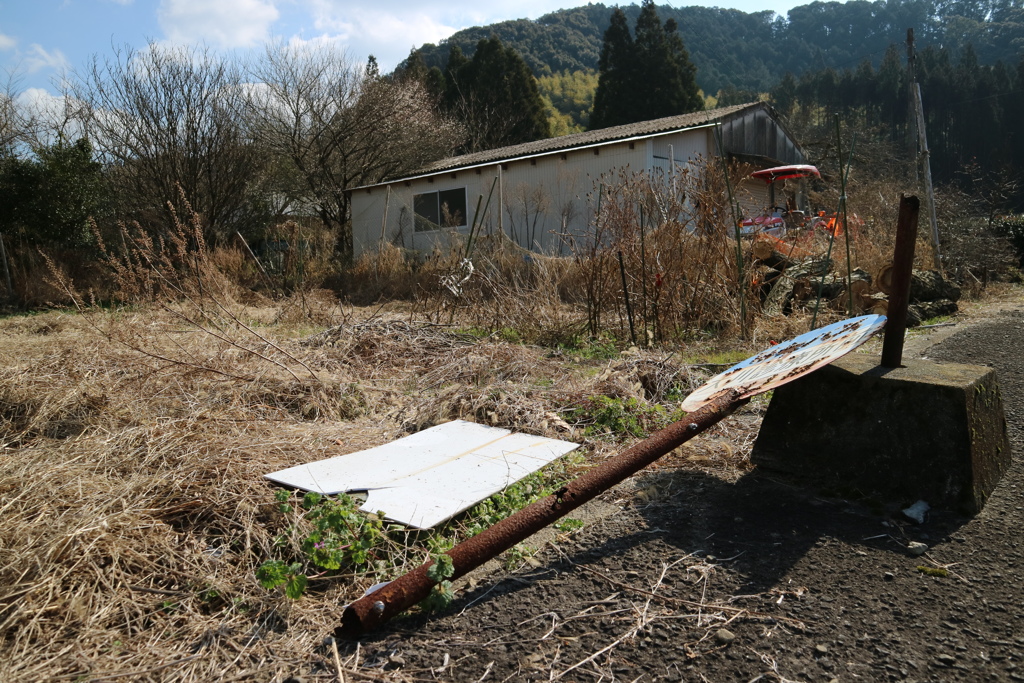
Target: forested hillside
{"type": "Point", "coordinates": [734, 49]}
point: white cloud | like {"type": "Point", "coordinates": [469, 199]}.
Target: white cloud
{"type": "Point", "coordinates": [7, 42]}
{"type": "Point", "coordinates": [223, 23]}
{"type": "Point", "coordinates": [389, 29]}
{"type": "Point", "coordinates": [386, 31]}
{"type": "Point", "coordinates": [38, 58]}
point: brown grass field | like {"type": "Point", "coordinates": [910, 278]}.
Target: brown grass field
{"type": "Point", "coordinates": [134, 439]}
{"type": "Point", "coordinates": [134, 445]}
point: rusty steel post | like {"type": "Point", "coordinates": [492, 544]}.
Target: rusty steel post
{"type": "Point", "coordinates": [902, 268]}
{"type": "Point", "coordinates": [370, 611]}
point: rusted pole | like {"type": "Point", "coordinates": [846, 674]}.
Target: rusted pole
{"type": "Point", "coordinates": [902, 267]}
{"type": "Point", "coordinates": [370, 611]}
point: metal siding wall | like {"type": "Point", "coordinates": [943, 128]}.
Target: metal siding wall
{"type": "Point", "coordinates": [367, 211]}
{"type": "Point", "coordinates": [562, 187]}
{"type": "Point", "coordinates": [753, 197]}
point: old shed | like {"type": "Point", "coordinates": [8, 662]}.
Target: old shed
{"type": "Point", "coordinates": [536, 193]}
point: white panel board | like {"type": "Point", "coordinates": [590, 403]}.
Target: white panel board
{"type": "Point", "coordinates": [424, 479]}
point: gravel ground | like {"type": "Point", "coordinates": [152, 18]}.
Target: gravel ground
{"type": "Point", "coordinates": [701, 579]}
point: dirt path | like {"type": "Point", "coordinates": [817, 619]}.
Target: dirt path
{"type": "Point", "coordinates": [754, 580]}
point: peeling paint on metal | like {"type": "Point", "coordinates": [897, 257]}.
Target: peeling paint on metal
{"type": "Point", "coordinates": [786, 361]}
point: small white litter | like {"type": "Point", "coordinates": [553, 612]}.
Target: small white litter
{"type": "Point", "coordinates": [918, 512]}
{"type": "Point", "coordinates": [429, 477]}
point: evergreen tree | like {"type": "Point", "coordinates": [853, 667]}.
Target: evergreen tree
{"type": "Point", "coordinates": [495, 95]}
{"type": "Point", "coordinates": [646, 77]}
{"type": "Point", "coordinates": [691, 99]}
{"type": "Point", "coordinates": [614, 98]}
{"type": "Point", "coordinates": [48, 200]}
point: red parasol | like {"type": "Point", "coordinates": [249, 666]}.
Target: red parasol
{"type": "Point", "coordinates": [770, 175]}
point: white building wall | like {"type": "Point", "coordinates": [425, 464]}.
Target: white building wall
{"type": "Point", "coordinates": [544, 204]}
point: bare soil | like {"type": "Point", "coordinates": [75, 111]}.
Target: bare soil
{"type": "Point", "coordinates": [697, 577]}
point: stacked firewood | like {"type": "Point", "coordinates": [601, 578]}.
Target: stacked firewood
{"type": "Point", "coordinates": [791, 278]}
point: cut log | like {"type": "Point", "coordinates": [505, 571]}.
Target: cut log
{"type": "Point", "coordinates": [926, 310]}
{"type": "Point", "coordinates": [883, 279]}
{"type": "Point", "coordinates": [929, 285]}
{"type": "Point", "coordinates": [776, 253]}
{"type": "Point", "coordinates": [859, 290]}
{"type": "Point", "coordinates": [925, 285]}
{"type": "Point", "coordinates": [875, 303]}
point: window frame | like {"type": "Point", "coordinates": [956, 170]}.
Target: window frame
{"type": "Point", "coordinates": [419, 219]}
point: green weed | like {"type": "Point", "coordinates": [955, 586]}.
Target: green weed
{"type": "Point", "coordinates": [933, 571]}
{"type": "Point", "coordinates": [515, 555]}
{"type": "Point", "coordinates": [590, 348]}
{"type": "Point", "coordinates": [607, 416]}
{"type": "Point", "coordinates": [338, 536]}
{"type": "Point", "coordinates": [567, 525]}
{"type": "Point", "coordinates": [724, 358]}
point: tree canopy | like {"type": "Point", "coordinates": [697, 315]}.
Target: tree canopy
{"type": "Point", "coordinates": [644, 77]}
{"type": "Point", "coordinates": [751, 51]}
{"type": "Point", "coordinates": [493, 94]}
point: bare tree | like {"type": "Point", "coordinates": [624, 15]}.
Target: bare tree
{"type": "Point", "coordinates": [340, 127]}
{"type": "Point", "coordinates": [17, 125]}
{"type": "Point", "coordinates": [164, 117]}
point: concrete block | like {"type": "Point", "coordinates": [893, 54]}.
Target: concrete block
{"type": "Point", "coordinates": [929, 431]}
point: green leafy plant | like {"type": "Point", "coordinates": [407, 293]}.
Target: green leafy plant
{"type": "Point", "coordinates": [338, 536]}
{"type": "Point", "coordinates": [442, 569]}
{"type": "Point", "coordinates": [274, 573]}
{"type": "Point", "coordinates": [442, 594]}
{"type": "Point", "coordinates": [515, 555]}
{"type": "Point", "coordinates": [605, 415]}
{"type": "Point", "coordinates": [591, 348]}
{"type": "Point", "coordinates": [515, 497]}
{"type": "Point", "coordinates": [568, 525]}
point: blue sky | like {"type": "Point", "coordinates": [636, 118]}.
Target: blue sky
{"type": "Point", "coordinates": [40, 40]}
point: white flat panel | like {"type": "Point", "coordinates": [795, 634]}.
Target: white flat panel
{"type": "Point", "coordinates": [424, 479]}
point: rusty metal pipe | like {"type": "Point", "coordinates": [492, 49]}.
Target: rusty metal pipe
{"type": "Point", "coordinates": [902, 268]}
{"type": "Point", "coordinates": [370, 611]}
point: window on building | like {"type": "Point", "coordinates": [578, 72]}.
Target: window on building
{"type": "Point", "coordinates": [444, 209]}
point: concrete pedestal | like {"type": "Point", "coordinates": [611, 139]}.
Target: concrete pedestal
{"type": "Point", "coordinates": [929, 431]}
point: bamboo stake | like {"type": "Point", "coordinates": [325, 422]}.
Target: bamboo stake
{"type": "Point", "coordinates": [832, 235]}
{"type": "Point", "coordinates": [629, 308]}
{"type": "Point", "coordinates": [7, 272]}
{"type": "Point", "coordinates": [739, 236]}
{"type": "Point", "coordinates": [259, 265]}
{"type": "Point", "coordinates": [384, 221]}
{"type": "Point", "coordinates": [472, 227]}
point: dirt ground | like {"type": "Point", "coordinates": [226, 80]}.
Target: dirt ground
{"type": "Point", "coordinates": [699, 579]}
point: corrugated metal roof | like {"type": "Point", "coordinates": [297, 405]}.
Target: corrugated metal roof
{"type": "Point", "coordinates": [585, 139]}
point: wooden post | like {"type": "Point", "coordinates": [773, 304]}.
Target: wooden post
{"type": "Point", "coordinates": [902, 267]}
{"type": "Point", "coordinates": [917, 141]}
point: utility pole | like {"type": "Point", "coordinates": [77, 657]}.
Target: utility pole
{"type": "Point", "coordinates": [911, 139]}
{"type": "Point", "coordinates": [923, 168]}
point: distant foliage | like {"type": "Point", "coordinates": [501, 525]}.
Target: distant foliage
{"type": "Point", "coordinates": [644, 76]}
{"type": "Point", "coordinates": [49, 197]}
{"type": "Point", "coordinates": [493, 95]}
{"type": "Point", "coordinates": [569, 97]}
{"type": "Point", "coordinates": [971, 110]}
{"type": "Point", "coordinates": [751, 51]}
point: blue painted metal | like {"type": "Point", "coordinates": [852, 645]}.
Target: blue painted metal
{"type": "Point", "coordinates": [785, 362]}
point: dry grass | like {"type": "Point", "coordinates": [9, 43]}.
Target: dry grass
{"type": "Point", "coordinates": [134, 448]}
{"type": "Point", "coordinates": [134, 440]}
